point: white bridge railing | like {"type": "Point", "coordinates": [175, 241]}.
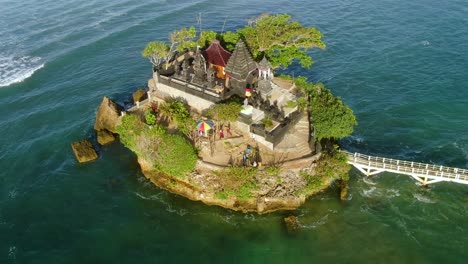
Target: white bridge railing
{"type": "Point", "coordinates": [422, 172]}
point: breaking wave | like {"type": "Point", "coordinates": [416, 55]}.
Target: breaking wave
{"type": "Point", "coordinates": [18, 69]}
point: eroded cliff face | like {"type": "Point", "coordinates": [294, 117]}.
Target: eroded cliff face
{"type": "Point", "coordinates": [107, 116]}
{"type": "Point", "coordinates": [261, 204]}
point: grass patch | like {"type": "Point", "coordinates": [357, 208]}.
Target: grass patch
{"type": "Point", "coordinates": [170, 154]}
{"type": "Point", "coordinates": [237, 182]}
{"type": "Point", "coordinates": [329, 168]}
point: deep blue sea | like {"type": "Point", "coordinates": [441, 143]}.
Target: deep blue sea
{"type": "Point", "coordinates": [400, 65]}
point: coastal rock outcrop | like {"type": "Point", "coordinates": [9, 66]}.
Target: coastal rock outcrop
{"type": "Point", "coordinates": [344, 187]}
{"type": "Point", "coordinates": [108, 115]}
{"type": "Point", "coordinates": [104, 137]}
{"type": "Point", "coordinates": [139, 95]}
{"type": "Point", "coordinates": [292, 224]}
{"type": "Point", "coordinates": [84, 151]}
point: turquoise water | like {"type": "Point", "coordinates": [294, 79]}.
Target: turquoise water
{"type": "Point", "coordinates": [400, 65]}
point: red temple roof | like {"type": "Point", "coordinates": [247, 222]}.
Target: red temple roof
{"type": "Point", "coordinates": [216, 54]}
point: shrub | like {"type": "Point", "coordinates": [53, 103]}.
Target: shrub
{"type": "Point", "coordinates": [267, 122]}
{"type": "Point", "coordinates": [237, 181]}
{"type": "Point", "coordinates": [170, 154]}
{"type": "Point", "coordinates": [150, 117]}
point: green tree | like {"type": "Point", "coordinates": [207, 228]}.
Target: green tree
{"type": "Point", "coordinates": [174, 110]}
{"type": "Point", "coordinates": [229, 39]}
{"type": "Point", "coordinates": [225, 112]}
{"type": "Point", "coordinates": [281, 39]}
{"type": "Point", "coordinates": [332, 119]}
{"type": "Point", "coordinates": [206, 37]}
{"type": "Point", "coordinates": [178, 112]}
{"type": "Point", "coordinates": [183, 39]}
{"type": "Point", "coordinates": [157, 52]}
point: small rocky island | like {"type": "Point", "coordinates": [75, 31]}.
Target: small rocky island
{"type": "Point", "coordinates": [216, 125]}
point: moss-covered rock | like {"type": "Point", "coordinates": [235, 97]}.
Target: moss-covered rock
{"type": "Point", "coordinates": [105, 137]}
{"type": "Point", "coordinates": [292, 224]}
{"type": "Point", "coordinates": [84, 151]}
{"type": "Point", "coordinates": [139, 95]}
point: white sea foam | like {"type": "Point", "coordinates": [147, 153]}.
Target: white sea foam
{"type": "Point", "coordinates": [12, 252]}
{"type": "Point", "coordinates": [369, 192]}
{"type": "Point", "coordinates": [368, 181]}
{"type": "Point", "coordinates": [17, 69]}
{"type": "Point", "coordinates": [423, 199]}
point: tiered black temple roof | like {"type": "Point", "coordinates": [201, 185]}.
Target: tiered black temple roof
{"type": "Point", "coordinates": [241, 63]}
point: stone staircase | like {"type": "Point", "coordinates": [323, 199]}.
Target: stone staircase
{"type": "Point", "coordinates": [295, 141]}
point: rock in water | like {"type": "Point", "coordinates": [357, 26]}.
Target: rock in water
{"type": "Point", "coordinates": [84, 151]}
{"type": "Point", "coordinates": [139, 95]}
{"type": "Point", "coordinates": [292, 224]}
{"type": "Point", "coordinates": [107, 116]}
{"type": "Point", "coordinates": [343, 190]}
{"type": "Point", "coordinates": [104, 137]}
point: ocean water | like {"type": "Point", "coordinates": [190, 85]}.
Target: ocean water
{"type": "Point", "coordinates": [400, 65]}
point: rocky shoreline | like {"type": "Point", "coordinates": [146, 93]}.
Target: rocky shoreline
{"type": "Point", "coordinates": [278, 192]}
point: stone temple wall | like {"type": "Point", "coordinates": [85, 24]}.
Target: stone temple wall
{"type": "Point", "coordinates": [196, 103]}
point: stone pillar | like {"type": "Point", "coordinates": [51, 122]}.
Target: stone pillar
{"type": "Point", "coordinates": [156, 77]}
{"type": "Point", "coordinates": [138, 104]}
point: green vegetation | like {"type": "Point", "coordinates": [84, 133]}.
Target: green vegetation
{"type": "Point", "coordinates": [267, 121]}
{"type": "Point", "coordinates": [224, 112]}
{"type": "Point", "coordinates": [273, 170]}
{"type": "Point", "coordinates": [169, 154]}
{"type": "Point", "coordinates": [178, 112]}
{"type": "Point", "coordinates": [278, 37]}
{"type": "Point", "coordinates": [331, 118]}
{"type": "Point", "coordinates": [150, 117]}
{"type": "Point", "coordinates": [236, 182]}
{"type": "Point", "coordinates": [330, 167]}
{"type": "Point", "coordinates": [159, 51]}
{"type": "Point", "coordinates": [174, 110]}
{"type": "Point", "coordinates": [281, 40]}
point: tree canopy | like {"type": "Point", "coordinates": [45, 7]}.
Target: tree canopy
{"type": "Point", "coordinates": [281, 39]}
{"type": "Point", "coordinates": [225, 112]}
{"type": "Point", "coordinates": [157, 52]}
{"type": "Point", "coordinates": [330, 117]}
{"type": "Point", "coordinates": [278, 37]}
